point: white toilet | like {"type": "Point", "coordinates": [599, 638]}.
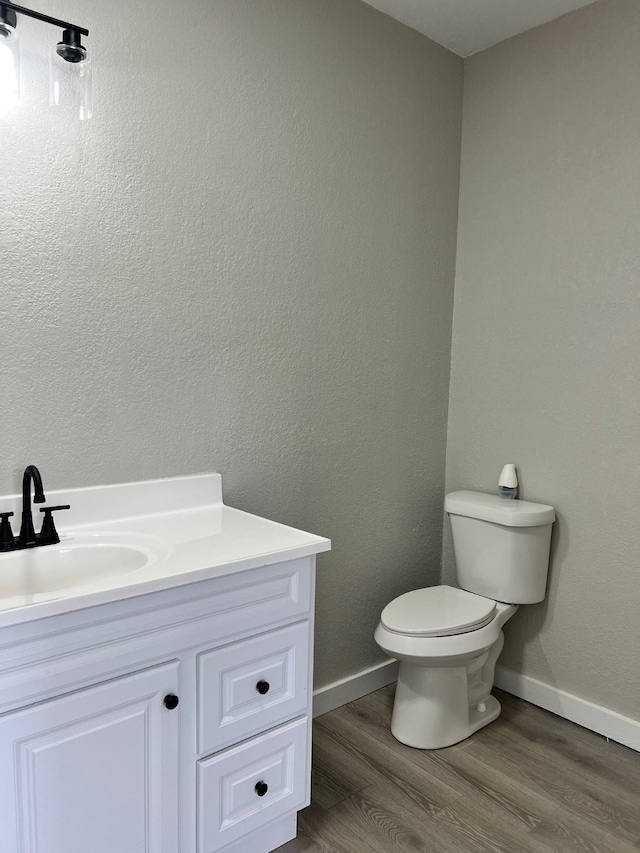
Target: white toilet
{"type": "Point", "coordinates": [448, 640]}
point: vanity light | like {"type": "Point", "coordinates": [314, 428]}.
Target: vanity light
{"type": "Point", "coordinates": [9, 61]}
{"type": "Point", "coordinates": [70, 75]}
{"type": "Point", "coordinates": [69, 65]}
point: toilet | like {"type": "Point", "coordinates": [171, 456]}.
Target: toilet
{"type": "Point", "coordinates": [448, 640]}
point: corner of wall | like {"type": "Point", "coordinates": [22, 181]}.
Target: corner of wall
{"type": "Point", "coordinates": [445, 551]}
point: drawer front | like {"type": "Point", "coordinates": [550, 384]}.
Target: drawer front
{"type": "Point", "coordinates": [251, 686]}
{"type": "Point", "coordinates": [246, 786]}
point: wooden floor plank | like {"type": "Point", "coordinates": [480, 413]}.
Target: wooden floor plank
{"type": "Point", "coordinates": [308, 839]}
{"type": "Point", "coordinates": [449, 828]}
{"type": "Point", "coordinates": [367, 720]}
{"type": "Point", "coordinates": [530, 782]}
{"type": "Point", "coordinates": [386, 762]}
{"type": "Point", "coordinates": [575, 785]}
{"type": "Point", "coordinates": [328, 784]}
{"type": "Point", "coordinates": [353, 827]}
{"type": "Point", "coordinates": [566, 831]}
{"type": "Point", "coordinates": [615, 763]}
{"type": "Point", "coordinates": [350, 775]}
{"type": "Point", "coordinates": [522, 801]}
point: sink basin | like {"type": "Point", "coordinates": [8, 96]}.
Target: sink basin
{"type": "Point", "coordinates": [77, 561]}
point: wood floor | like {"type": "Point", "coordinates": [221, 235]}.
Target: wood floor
{"type": "Point", "coordinates": [530, 781]}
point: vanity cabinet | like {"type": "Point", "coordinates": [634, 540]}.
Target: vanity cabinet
{"type": "Point", "coordinates": [172, 722]}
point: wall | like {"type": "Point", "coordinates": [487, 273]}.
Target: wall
{"type": "Point", "coordinates": [546, 360]}
{"type": "Point", "coordinates": [243, 263]}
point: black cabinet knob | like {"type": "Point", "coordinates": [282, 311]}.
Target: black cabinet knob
{"type": "Point", "coordinates": [171, 701]}
{"type": "Point", "coordinates": [263, 687]}
{"type": "Point", "coordinates": [261, 788]}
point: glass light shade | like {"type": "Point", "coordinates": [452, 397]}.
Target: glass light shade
{"type": "Point", "coordinates": [70, 85]}
{"type": "Point", "coordinates": [9, 69]}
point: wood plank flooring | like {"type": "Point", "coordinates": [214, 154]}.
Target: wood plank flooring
{"type": "Point", "coordinates": [529, 782]}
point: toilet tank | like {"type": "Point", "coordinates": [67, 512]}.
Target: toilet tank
{"type": "Point", "coordinates": [501, 546]}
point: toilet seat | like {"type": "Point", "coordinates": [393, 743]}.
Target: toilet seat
{"type": "Point", "coordinates": [438, 611]}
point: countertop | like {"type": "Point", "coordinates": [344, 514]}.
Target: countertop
{"type": "Point", "coordinates": [190, 533]}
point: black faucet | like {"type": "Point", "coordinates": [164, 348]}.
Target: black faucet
{"type": "Point", "coordinates": [28, 537]}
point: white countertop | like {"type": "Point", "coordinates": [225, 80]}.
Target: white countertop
{"type": "Point", "coordinates": [186, 525]}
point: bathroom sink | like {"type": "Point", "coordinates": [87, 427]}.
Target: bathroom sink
{"type": "Point", "coordinates": [77, 561]}
{"type": "Point", "coordinates": [125, 540]}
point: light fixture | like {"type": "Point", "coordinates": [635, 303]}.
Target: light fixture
{"type": "Point", "coordinates": [69, 64]}
{"type": "Point", "coordinates": [70, 75]}
{"type": "Point", "coordinates": [9, 61]}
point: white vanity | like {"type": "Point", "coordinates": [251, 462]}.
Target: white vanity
{"type": "Point", "coordinates": [161, 703]}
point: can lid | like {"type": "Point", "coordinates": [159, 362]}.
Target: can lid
{"type": "Point", "coordinates": [511, 513]}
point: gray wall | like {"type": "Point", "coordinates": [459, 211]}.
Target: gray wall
{"type": "Point", "coordinates": [546, 344]}
{"type": "Point", "coordinates": [243, 263]}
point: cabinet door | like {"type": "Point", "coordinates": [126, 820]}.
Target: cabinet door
{"type": "Point", "coordinates": [95, 770]}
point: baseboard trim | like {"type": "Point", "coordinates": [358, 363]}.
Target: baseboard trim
{"type": "Point", "coordinates": [348, 689]}
{"type": "Point", "coordinates": [608, 723]}
{"type": "Point", "coordinates": [614, 726]}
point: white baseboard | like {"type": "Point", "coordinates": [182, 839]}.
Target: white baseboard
{"type": "Point", "coordinates": [354, 686]}
{"type": "Point", "coordinates": [613, 726]}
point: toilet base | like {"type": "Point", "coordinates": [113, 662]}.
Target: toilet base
{"type": "Point", "coordinates": [432, 710]}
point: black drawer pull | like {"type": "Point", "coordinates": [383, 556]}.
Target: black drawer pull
{"type": "Point", "coordinates": [263, 687]}
{"type": "Point", "coordinates": [261, 788]}
{"type": "Point", "coordinates": [171, 701]}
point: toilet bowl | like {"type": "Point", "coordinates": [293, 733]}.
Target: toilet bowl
{"type": "Point", "coordinates": [444, 685]}
{"type": "Point", "coordinates": [448, 640]}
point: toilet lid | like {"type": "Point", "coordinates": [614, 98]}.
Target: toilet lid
{"type": "Point", "coordinates": [438, 611]}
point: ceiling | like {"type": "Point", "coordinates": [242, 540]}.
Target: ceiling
{"type": "Point", "coordinates": [467, 26]}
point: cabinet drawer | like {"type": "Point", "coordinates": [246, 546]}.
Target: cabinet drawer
{"type": "Point", "coordinates": [246, 786]}
{"type": "Point", "coordinates": [251, 686]}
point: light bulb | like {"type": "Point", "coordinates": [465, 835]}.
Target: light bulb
{"type": "Point", "coordinates": [9, 73]}
{"type": "Point", "coordinates": [70, 79]}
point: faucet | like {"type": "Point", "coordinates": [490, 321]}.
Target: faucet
{"type": "Point", "coordinates": [27, 537]}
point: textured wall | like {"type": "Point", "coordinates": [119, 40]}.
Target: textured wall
{"type": "Point", "coordinates": [243, 263]}
{"type": "Point", "coordinates": [546, 354]}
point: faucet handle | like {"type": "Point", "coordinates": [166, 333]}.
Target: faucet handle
{"type": "Point", "coordinates": [7, 539]}
{"type": "Point", "coordinates": [48, 534]}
